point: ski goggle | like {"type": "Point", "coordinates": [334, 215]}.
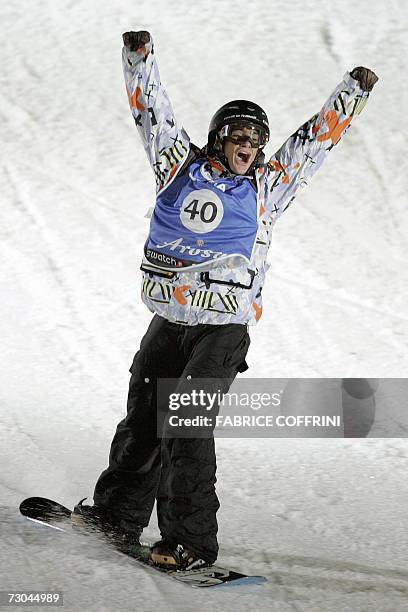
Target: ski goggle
{"type": "Point", "coordinates": [241, 132]}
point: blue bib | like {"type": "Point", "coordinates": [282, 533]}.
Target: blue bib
{"type": "Point", "coordinates": [200, 220]}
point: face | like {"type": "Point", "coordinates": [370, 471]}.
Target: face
{"type": "Point", "coordinates": [240, 156]}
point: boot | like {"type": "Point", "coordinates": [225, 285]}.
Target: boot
{"type": "Point", "coordinates": [175, 556]}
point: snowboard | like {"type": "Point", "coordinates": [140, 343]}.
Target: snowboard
{"type": "Point", "coordinates": [56, 516]}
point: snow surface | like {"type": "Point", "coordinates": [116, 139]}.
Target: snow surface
{"type": "Point", "coordinates": [324, 520]}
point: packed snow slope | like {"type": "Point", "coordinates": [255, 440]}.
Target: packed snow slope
{"type": "Point", "coordinates": [324, 520]}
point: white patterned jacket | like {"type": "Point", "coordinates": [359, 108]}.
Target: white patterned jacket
{"type": "Point", "coordinates": [225, 294]}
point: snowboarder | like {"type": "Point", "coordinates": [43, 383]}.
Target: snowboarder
{"type": "Point", "coordinates": [203, 269]}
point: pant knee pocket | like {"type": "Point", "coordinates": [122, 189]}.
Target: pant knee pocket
{"type": "Point", "coordinates": [141, 366]}
{"type": "Point", "coordinates": [237, 356]}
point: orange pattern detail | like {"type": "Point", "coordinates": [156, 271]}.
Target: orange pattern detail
{"type": "Point", "coordinates": [277, 166]}
{"type": "Point", "coordinates": [133, 100]}
{"type": "Point", "coordinates": [318, 125]}
{"type": "Point", "coordinates": [173, 171]}
{"type": "Point", "coordinates": [258, 311]}
{"type": "Point", "coordinates": [214, 164]}
{"type": "Point", "coordinates": [280, 168]}
{"type": "Point", "coordinates": [336, 129]}
{"type": "Point", "coordinates": [178, 294]}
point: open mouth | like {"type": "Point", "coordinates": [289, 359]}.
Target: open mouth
{"type": "Point", "coordinates": [243, 157]}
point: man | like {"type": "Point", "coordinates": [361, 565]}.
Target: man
{"type": "Point", "coordinates": [203, 269]}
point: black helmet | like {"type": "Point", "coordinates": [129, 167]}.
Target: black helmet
{"type": "Point", "coordinates": [236, 111]}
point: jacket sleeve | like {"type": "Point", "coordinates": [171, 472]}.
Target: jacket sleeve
{"type": "Point", "coordinates": [164, 139]}
{"type": "Point", "coordinates": [303, 153]}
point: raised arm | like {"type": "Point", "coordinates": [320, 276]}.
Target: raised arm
{"type": "Point", "coordinates": [164, 140]}
{"type": "Point", "coordinates": [303, 153]}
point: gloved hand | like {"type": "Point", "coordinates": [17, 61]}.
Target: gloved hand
{"type": "Point", "coordinates": [366, 77]}
{"type": "Point", "coordinates": [135, 40]}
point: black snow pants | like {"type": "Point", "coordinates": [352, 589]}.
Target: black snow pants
{"type": "Point", "coordinates": [178, 472]}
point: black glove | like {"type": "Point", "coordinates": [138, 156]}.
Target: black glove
{"type": "Point", "coordinates": [135, 40]}
{"type": "Point", "coordinates": [366, 77]}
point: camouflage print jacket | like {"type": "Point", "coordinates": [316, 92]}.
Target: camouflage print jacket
{"type": "Point", "coordinates": [224, 294]}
